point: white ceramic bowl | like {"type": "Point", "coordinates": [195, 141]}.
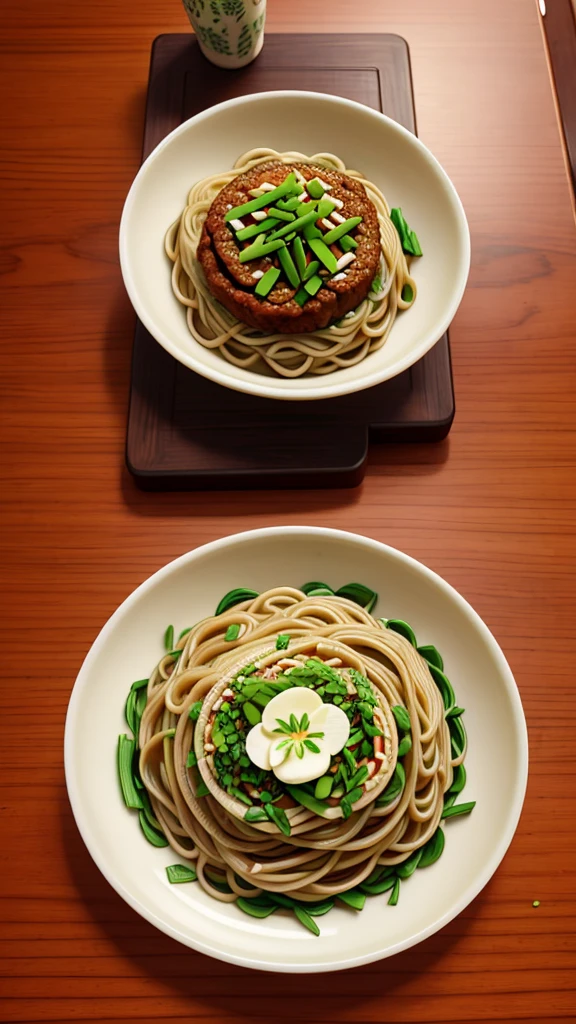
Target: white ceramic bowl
{"type": "Point", "coordinates": [383, 150]}
{"type": "Point", "coordinates": [187, 590]}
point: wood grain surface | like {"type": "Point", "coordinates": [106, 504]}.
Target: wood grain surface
{"type": "Point", "coordinates": [492, 508]}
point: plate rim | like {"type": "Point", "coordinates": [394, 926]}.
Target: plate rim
{"type": "Point", "coordinates": [91, 842]}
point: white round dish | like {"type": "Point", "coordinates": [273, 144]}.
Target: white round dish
{"type": "Point", "coordinates": [188, 589]}
{"type": "Point", "coordinates": [383, 150]}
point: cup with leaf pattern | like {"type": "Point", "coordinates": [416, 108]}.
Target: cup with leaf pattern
{"type": "Point", "coordinates": [230, 33]}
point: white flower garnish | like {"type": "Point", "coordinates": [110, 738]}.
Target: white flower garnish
{"type": "Point", "coordinates": [297, 736]}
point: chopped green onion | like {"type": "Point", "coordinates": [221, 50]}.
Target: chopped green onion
{"type": "Point", "coordinates": [342, 229]}
{"type": "Point", "coordinates": [266, 283]}
{"type": "Point", "coordinates": [139, 684]}
{"type": "Point", "coordinates": [178, 873]}
{"type": "Point", "coordinates": [289, 267]}
{"type": "Point", "coordinates": [169, 638]}
{"type": "Point", "coordinates": [202, 789]}
{"type": "Point", "coordinates": [303, 797]}
{"type": "Point", "coordinates": [394, 894]}
{"type": "Point", "coordinates": [154, 837]}
{"type": "Point", "coordinates": [253, 230]}
{"type": "Point", "coordinates": [324, 787]}
{"type": "Point", "coordinates": [299, 255]}
{"type": "Point", "coordinates": [311, 231]}
{"type": "Point", "coordinates": [255, 814]}
{"type": "Point", "coordinates": [321, 250]}
{"type": "Point", "coordinates": [232, 632]}
{"type": "Point", "coordinates": [315, 189]}
{"type": "Point", "coordinates": [125, 755]}
{"type": "Point", "coordinates": [402, 717]}
{"type": "Point", "coordinates": [404, 746]}
{"type": "Point", "coordinates": [433, 849]}
{"type": "Point", "coordinates": [347, 243]}
{"type": "Point", "coordinates": [407, 293]}
{"type": "Point", "coordinates": [295, 225]}
{"type": "Point", "coordinates": [195, 710]}
{"type": "Point", "coordinates": [325, 207]}
{"type": "Point", "coordinates": [191, 760]}
{"type": "Point", "coordinates": [288, 186]}
{"type": "Point", "coordinates": [280, 215]}
{"type": "Point", "coordinates": [306, 207]}
{"type": "Point", "coordinates": [311, 269]}
{"type": "Point", "coordinates": [314, 284]}
{"type": "Point", "coordinates": [279, 817]}
{"type": "Point", "coordinates": [301, 296]}
{"type": "Point", "coordinates": [251, 713]}
{"type": "Point", "coordinates": [288, 204]}
{"type": "Point", "coordinates": [282, 641]}
{"type": "Point", "coordinates": [259, 249]}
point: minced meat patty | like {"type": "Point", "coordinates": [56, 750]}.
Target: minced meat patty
{"type": "Point", "coordinates": [232, 283]}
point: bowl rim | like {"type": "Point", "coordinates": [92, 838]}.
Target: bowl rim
{"type": "Point", "coordinates": [289, 390]}
{"type": "Point", "coordinates": [411, 564]}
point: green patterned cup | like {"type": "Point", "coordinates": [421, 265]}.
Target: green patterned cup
{"type": "Point", "coordinates": [230, 32]}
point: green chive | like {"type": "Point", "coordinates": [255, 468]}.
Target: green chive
{"type": "Point", "coordinates": [401, 627]}
{"type": "Point", "coordinates": [154, 837]}
{"type": "Point", "coordinates": [232, 632]}
{"type": "Point", "coordinates": [280, 215]}
{"type": "Point", "coordinates": [395, 894]}
{"type": "Point", "coordinates": [454, 712]}
{"type": "Point", "coordinates": [288, 186]}
{"type": "Point", "coordinates": [315, 189]}
{"type": "Point", "coordinates": [305, 919]}
{"type": "Point", "coordinates": [178, 873]}
{"type": "Point", "coordinates": [301, 296]}
{"type": "Point", "coordinates": [357, 592]}
{"type": "Point", "coordinates": [251, 713]}
{"type": "Point", "coordinates": [249, 907]}
{"type": "Point", "coordinates": [266, 283]}
{"type": "Point", "coordinates": [125, 755]}
{"type": "Point", "coordinates": [255, 814]}
{"type": "Point", "coordinates": [359, 779]}
{"type": "Point", "coordinates": [174, 654]}
{"type": "Point", "coordinates": [352, 898]}
{"type": "Point", "coordinates": [294, 225]}
{"type": "Point", "coordinates": [407, 293]}
{"type": "Point", "coordinates": [184, 632]}
{"type": "Point", "coordinates": [282, 641]}
{"type": "Point", "coordinates": [130, 711]}
{"type": "Point", "coordinates": [433, 849]}
{"type": "Point", "coordinates": [457, 809]}
{"type": "Point", "coordinates": [289, 267]}
{"type": "Point", "coordinates": [402, 717]}
{"type": "Point", "coordinates": [347, 243]}
{"type": "Point", "coordinates": [321, 250]}
{"type": "Point", "coordinates": [342, 229]}
{"type": "Point", "coordinates": [311, 231]}
{"type": "Point", "coordinates": [303, 797]}
{"type": "Point", "coordinates": [313, 285]}
{"type": "Point", "coordinates": [288, 204]}
{"type": "Point", "coordinates": [444, 685]}
{"type": "Point", "coordinates": [350, 759]}
{"type": "Point", "coordinates": [311, 269]}
{"type": "Point", "coordinates": [416, 249]}
{"type": "Point", "coordinates": [325, 207]}
{"type": "Point", "coordinates": [371, 730]}
{"type": "Point", "coordinates": [299, 256]}
{"type": "Point", "coordinates": [323, 787]}
{"type": "Point", "coordinates": [306, 207]}
{"type": "Point", "coordinates": [281, 900]}
{"type": "Point", "coordinates": [259, 249]}
{"type": "Point", "coordinates": [458, 779]}
{"type": "Point", "coordinates": [253, 230]}
{"type": "Point", "coordinates": [279, 817]}
{"type": "Point", "coordinates": [457, 736]}
{"type": "Point", "coordinates": [139, 684]}
{"type": "Point", "coordinates": [169, 638]}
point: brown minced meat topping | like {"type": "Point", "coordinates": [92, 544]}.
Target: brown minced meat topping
{"type": "Point", "coordinates": [231, 282]}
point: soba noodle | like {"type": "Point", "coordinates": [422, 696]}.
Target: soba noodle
{"type": "Point", "coordinates": [359, 333]}
{"type": "Point", "coordinates": [400, 806]}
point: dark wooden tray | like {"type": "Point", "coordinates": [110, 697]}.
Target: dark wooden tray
{"type": "Point", "coordinates": [185, 432]}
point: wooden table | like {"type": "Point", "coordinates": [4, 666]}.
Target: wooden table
{"type": "Point", "coordinates": [491, 509]}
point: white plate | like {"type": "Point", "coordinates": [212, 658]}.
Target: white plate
{"type": "Point", "coordinates": [188, 589]}
{"type": "Point", "coordinates": [308, 122]}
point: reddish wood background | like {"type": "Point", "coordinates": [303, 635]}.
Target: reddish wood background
{"type": "Point", "coordinates": [491, 509]}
